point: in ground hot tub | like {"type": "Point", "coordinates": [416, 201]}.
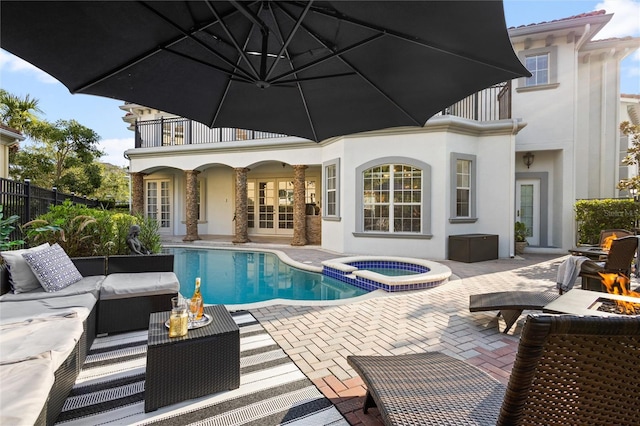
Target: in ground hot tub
{"type": "Point", "coordinates": [393, 273]}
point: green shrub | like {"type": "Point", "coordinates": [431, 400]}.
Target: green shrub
{"type": "Point", "coordinates": [149, 233]}
{"type": "Point", "coordinates": [592, 216]}
{"type": "Point", "coordinates": [84, 231]}
{"type": "Point", "coordinates": [6, 228]}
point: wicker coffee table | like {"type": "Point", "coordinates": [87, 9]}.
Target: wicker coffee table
{"type": "Point", "coordinates": [205, 361]}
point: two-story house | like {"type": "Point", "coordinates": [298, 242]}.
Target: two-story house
{"type": "Point", "coordinates": [521, 151]}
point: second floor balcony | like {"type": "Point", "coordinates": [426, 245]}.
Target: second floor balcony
{"type": "Point", "coordinates": [493, 103]}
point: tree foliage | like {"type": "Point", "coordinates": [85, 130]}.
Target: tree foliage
{"type": "Point", "coordinates": [115, 184]}
{"type": "Point", "coordinates": [19, 113]}
{"type": "Point", "coordinates": [633, 155]}
{"type": "Point", "coordinates": [64, 155]}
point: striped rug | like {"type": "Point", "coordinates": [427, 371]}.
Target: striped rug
{"type": "Point", "coordinates": [110, 387]}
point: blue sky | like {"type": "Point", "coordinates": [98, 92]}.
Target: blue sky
{"type": "Point", "coordinates": [104, 116]}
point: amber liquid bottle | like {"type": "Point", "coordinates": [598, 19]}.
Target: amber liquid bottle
{"type": "Point", "coordinates": [197, 303]}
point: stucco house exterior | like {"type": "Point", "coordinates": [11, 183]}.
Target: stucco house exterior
{"type": "Point", "coordinates": [522, 151]}
{"type": "Point", "coordinates": [8, 138]}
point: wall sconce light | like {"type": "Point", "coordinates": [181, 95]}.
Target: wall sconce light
{"type": "Point", "coordinates": [528, 159]}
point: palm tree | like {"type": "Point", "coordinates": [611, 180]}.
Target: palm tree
{"type": "Point", "coordinates": [18, 113]}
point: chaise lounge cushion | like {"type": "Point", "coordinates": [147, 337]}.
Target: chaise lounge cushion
{"type": "Point", "coordinates": [21, 277]}
{"type": "Point", "coordinates": [123, 286]}
{"type": "Point", "coordinates": [53, 268]}
{"type": "Point", "coordinates": [85, 285]}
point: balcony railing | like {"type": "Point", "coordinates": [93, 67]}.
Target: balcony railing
{"type": "Point", "coordinates": [181, 131]}
{"type": "Point", "coordinates": [493, 103]}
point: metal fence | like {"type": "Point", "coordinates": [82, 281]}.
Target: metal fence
{"type": "Point", "coordinates": [29, 201]}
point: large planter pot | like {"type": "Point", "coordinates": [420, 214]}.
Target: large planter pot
{"type": "Point", "coordinates": [520, 245]}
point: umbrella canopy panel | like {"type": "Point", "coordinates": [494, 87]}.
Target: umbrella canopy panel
{"type": "Point", "coordinates": [310, 69]}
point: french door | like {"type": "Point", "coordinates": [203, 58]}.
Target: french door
{"type": "Point", "coordinates": [158, 204]}
{"type": "Point", "coordinates": [528, 208]}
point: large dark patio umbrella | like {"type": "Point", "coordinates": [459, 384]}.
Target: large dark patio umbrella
{"type": "Point", "coordinates": [313, 69]}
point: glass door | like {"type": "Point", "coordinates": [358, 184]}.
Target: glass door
{"type": "Point", "coordinates": [158, 204]}
{"type": "Point", "coordinates": [528, 208]}
{"type": "Point", "coordinates": [285, 205]}
{"type": "Point", "coordinates": [266, 207]}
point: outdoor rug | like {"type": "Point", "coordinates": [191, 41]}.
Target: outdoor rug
{"type": "Point", "coordinates": [273, 390]}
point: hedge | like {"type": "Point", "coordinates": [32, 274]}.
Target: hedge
{"type": "Point", "coordinates": [592, 216]}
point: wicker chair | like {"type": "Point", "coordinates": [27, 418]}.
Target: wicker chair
{"type": "Point", "coordinates": [618, 261]}
{"type": "Point", "coordinates": [619, 233]}
{"type": "Point", "coordinates": [569, 370]}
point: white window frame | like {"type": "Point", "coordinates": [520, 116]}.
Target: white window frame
{"type": "Point", "coordinates": [425, 199]}
{"type": "Point", "coordinates": [552, 72]}
{"type": "Point", "coordinates": [453, 194]}
{"type": "Point", "coordinates": [335, 215]}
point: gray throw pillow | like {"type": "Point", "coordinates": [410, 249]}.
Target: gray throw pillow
{"type": "Point", "coordinates": [53, 268]}
{"type": "Point", "coordinates": [21, 276]}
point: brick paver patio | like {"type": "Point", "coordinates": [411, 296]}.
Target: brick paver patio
{"type": "Point", "coordinates": [319, 338]}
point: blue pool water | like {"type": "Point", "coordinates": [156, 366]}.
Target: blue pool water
{"type": "Point", "coordinates": [236, 277]}
{"type": "Point", "coordinates": [392, 272]}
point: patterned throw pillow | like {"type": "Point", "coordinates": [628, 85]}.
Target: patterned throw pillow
{"type": "Point", "coordinates": [53, 268]}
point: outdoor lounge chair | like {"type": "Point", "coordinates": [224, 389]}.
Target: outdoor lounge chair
{"type": "Point", "coordinates": [569, 370]}
{"type": "Point", "coordinates": [619, 233]}
{"type": "Point", "coordinates": [618, 261]}
{"type": "Point", "coordinates": [510, 304]}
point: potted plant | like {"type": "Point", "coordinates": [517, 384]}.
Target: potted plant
{"type": "Point", "coordinates": [521, 237]}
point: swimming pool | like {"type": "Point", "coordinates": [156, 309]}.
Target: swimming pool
{"type": "Point", "coordinates": [236, 277]}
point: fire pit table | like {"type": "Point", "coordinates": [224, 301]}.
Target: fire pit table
{"type": "Point", "coordinates": [205, 361]}
{"type": "Point", "coordinates": [584, 302]}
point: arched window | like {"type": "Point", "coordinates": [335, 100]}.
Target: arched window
{"type": "Point", "coordinates": [393, 197]}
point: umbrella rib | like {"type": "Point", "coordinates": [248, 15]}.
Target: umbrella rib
{"type": "Point", "coordinates": [228, 86]}
{"type": "Point", "coordinates": [190, 35]}
{"type": "Point", "coordinates": [226, 29]}
{"type": "Point", "coordinates": [294, 30]}
{"type": "Point", "coordinates": [356, 71]}
{"type": "Point", "coordinates": [336, 53]}
{"type": "Point", "coordinates": [240, 77]}
{"type": "Point", "coordinates": [164, 47]}
{"type": "Point", "coordinates": [302, 97]}
{"type": "Point", "coordinates": [411, 39]}
{"type": "Point", "coordinates": [320, 77]}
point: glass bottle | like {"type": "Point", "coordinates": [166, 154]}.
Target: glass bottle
{"type": "Point", "coordinates": [197, 303]}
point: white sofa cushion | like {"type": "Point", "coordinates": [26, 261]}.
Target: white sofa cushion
{"type": "Point", "coordinates": [89, 284]}
{"type": "Point", "coordinates": [25, 389]}
{"type": "Point", "coordinates": [122, 286]}
{"type": "Point", "coordinates": [21, 276]}
{"type": "Point", "coordinates": [14, 311]}
{"type": "Point", "coordinates": [56, 335]}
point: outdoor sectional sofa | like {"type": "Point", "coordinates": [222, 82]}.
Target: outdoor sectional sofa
{"type": "Point", "coordinates": [45, 337]}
